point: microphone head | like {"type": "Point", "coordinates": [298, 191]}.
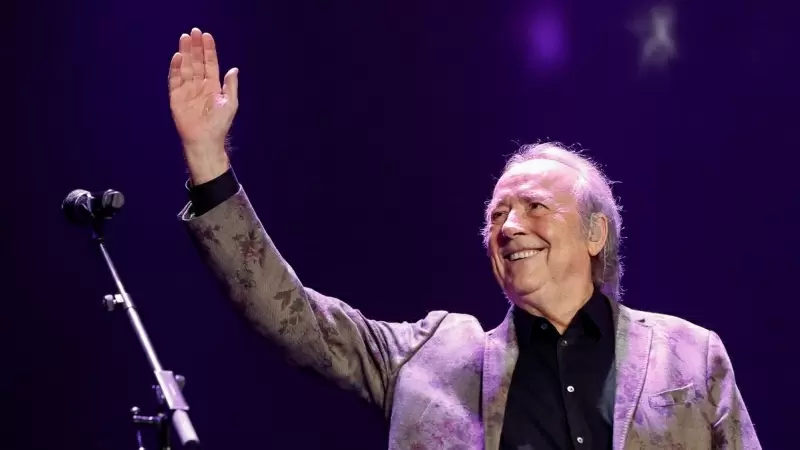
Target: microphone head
{"type": "Point", "coordinates": [83, 207]}
{"type": "Point", "coordinates": [76, 206]}
{"type": "Point", "coordinates": [73, 196]}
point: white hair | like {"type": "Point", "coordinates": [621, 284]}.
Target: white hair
{"type": "Point", "coordinates": [593, 193]}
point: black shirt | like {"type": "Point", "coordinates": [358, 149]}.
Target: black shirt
{"type": "Point", "coordinates": [556, 400]}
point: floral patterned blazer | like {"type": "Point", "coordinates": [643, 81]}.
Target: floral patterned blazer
{"type": "Point", "coordinates": [442, 382]}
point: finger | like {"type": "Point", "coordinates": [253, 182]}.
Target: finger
{"type": "Point", "coordinates": [210, 55]}
{"type": "Point", "coordinates": [198, 65]}
{"type": "Point", "coordinates": [231, 86]}
{"type": "Point", "coordinates": [185, 48]}
{"type": "Point", "coordinates": [175, 80]}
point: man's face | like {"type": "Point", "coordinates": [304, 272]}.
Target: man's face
{"type": "Point", "coordinates": [536, 243]}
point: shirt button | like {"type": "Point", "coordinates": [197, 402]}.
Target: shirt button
{"type": "Point", "coordinates": [544, 326]}
{"type": "Point", "coordinates": [570, 389]}
{"type": "Point", "coordinates": [564, 342]}
{"type": "Point", "coordinates": [580, 440]}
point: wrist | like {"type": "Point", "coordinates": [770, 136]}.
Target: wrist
{"type": "Point", "coordinates": [206, 162]}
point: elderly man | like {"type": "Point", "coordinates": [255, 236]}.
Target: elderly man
{"type": "Point", "coordinates": [568, 368]}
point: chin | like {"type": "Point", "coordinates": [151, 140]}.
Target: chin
{"type": "Point", "coordinates": [522, 289]}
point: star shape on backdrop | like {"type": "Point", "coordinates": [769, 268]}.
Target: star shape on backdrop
{"type": "Point", "coordinates": [657, 45]}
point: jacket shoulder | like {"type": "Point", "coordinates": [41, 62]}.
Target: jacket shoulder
{"type": "Point", "coordinates": [455, 330]}
{"type": "Point", "coordinates": [460, 320]}
{"type": "Point", "coordinates": [672, 328]}
{"type": "Point", "coordinates": [662, 320]}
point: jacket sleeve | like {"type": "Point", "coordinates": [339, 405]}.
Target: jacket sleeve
{"type": "Point", "coordinates": [314, 330]}
{"type": "Point", "coordinates": [732, 427]}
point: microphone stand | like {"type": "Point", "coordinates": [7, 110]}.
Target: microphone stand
{"type": "Point", "coordinates": [172, 406]}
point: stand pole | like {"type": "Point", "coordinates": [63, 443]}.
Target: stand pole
{"type": "Point", "coordinates": [174, 408]}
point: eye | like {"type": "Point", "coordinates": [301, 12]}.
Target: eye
{"type": "Point", "coordinates": [497, 215]}
{"type": "Point", "coordinates": [536, 205]}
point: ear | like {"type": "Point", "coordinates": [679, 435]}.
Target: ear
{"type": "Point", "coordinates": [598, 233]}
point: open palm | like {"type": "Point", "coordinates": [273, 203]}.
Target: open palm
{"type": "Point", "coordinates": [202, 109]}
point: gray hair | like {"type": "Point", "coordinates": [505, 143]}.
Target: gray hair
{"type": "Point", "coordinates": [593, 192]}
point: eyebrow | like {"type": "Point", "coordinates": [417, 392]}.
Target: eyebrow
{"type": "Point", "coordinates": [537, 195]}
{"type": "Point", "coordinates": [531, 195]}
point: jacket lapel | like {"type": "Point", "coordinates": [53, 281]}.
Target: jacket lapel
{"type": "Point", "coordinates": [499, 359]}
{"type": "Point", "coordinates": [633, 340]}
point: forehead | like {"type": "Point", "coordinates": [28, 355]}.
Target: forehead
{"type": "Point", "coordinates": [538, 177]}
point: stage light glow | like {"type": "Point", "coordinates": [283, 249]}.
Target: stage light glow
{"type": "Point", "coordinates": [548, 40]}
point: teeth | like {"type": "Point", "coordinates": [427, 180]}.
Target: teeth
{"type": "Point", "coordinates": [522, 254]}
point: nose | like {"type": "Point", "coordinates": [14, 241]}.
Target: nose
{"type": "Point", "coordinates": [512, 226]}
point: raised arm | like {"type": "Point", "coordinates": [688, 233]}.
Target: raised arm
{"type": "Point", "coordinates": [316, 331]}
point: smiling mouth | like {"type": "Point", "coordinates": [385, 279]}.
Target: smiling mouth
{"type": "Point", "coordinates": [522, 255]}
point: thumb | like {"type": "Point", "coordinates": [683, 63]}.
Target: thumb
{"type": "Point", "coordinates": [231, 84]}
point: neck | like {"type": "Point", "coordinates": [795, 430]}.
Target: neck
{"type": "Point", "coordinates": [558, 305]}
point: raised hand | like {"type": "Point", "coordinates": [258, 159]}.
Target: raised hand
{"type": "Point", "coordinates": [203, 110]}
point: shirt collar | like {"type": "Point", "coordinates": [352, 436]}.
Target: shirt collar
{"type": "Point", "coordinates": [594, 319]}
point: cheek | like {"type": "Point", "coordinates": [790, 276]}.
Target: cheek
{"type": "Point", "coordinates": [491, 252]}
{"type": "Point", "coordinates": [568, 239]}
{"type": "Point", "coordinates": [547, 230]}
{"type": "Point", "coordinates": [562, 236]}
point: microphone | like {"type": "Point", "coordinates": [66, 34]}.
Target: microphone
{"type": "Point", "coordinates": [82, 206]}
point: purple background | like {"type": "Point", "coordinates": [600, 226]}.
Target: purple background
{"type": "Point", "coordinates": [368, 138]}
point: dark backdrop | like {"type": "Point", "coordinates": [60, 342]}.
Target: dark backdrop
{"type": "Point", "coordinates": [369, 136]}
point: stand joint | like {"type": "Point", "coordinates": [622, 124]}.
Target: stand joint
{"type": "Point", "coordinates": [166, 404]}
